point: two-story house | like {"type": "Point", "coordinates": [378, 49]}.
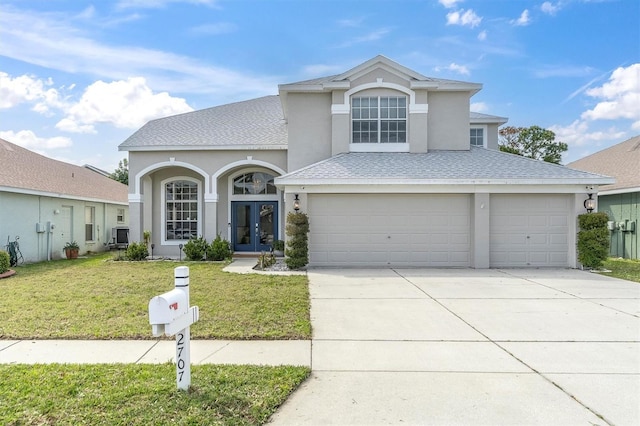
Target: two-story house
{"type": "Point", "coordinates": [392, 168]}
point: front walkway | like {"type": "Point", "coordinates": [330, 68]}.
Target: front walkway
{"type": "Point", "coordinates": [470, 347]}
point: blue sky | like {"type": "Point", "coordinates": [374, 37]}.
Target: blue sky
{"type": "Point", "coordinates": [77, 78]}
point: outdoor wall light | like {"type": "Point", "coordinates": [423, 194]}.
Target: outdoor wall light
{"type": "Point", "coordinates": [296, 203]}
{"type": "Point", "coordinates": [590, 203]}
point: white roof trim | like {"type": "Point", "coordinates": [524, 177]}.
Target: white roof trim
{"type": "Point", "coordinates": [620, 191]}
{"type": "Point", "coordinates": [57, 195]}
{"type": "Point", "coordinates": [156, 148]}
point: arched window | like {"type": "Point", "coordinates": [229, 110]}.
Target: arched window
{"type": "Point", "coordinates": [181, 210]}
{"type": "Point", "coordinates": [254, 183]}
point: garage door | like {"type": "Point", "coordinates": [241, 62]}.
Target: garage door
{"type": "Point", "coordinates": [389, 230]}
{"type": "Point", "coordinates": [529, 230]}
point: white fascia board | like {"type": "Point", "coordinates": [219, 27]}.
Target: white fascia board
{"type": "Point", "coordinates": [434, 189]}
{"type": "Point", "coordinates": [496, 120]}
{"type": "Point", "coordinates": [207, 148]}
{"type": "Point", "coordinates": [421, 84]}
{"type": "Point", "coordinates": [619, 191]}
{"type": "Point", "coordinates": [58, 195]}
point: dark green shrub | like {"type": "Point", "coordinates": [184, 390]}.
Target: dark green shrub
{"type": "Point", "coordinates": [4, 261]}
{"type": "Point", "coordinates": [219, 249]}
{"type": "Point", "coordinates": [278, 245]}
{"type": "Point", "coordinates": [137, 251]}
{"type": "Point", "coordinates": [297, 251]}
{"type": "Point", "coordinates": [195, 248]}
{"type": "Point", "coordinates": [593, 239]}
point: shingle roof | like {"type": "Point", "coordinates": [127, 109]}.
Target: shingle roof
{"type": "Point", "coordinates": [249, 123]}
{"type": "Point", "coordinates": [22, 170]}
{"type": "Point", "coordinates": [621, 161]}
{"type": "Point", "coordinates": [476, 166]}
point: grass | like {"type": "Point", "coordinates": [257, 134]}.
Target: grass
{"type": "Point", "coordinates": [119, 394]}
{"type": "Point", "coordinates": [98, 298]}
{"type": "Point", "coordinates": [626, 269]}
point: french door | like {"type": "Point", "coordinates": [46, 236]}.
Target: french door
{"type": "Point", "coordinates": [254, 225]}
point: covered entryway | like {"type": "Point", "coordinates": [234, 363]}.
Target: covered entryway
{"type": "Point", "coordinates": [389, 230]}
{"type": "Point", "coordinates": [529, 230]}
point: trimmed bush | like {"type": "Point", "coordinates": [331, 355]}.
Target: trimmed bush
{"type": "Point", "coordinates": [297, 251]}
{"type": "Point", "coordinates": [593, 239]}
{"type": "Point", "coordinates": [137, 251]}
{"type": "Point", "coordinates": [195, 249]}
{"type": "Point", "coordinates": [4, 261]}
{"type": "Point", "coordinates": [219, 249]}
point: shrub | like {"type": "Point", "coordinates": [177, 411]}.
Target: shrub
{"type": "Point", "coordinates": [265, 260]}
{"type": "Point", "coordinates": [195, 248]}
{"type": "Point", "coordinates": [278, 245]}
{"type": "Point", "coordinates": [219, 249]}
{"type": "Point", "coordinates": [4, 261]}
{"type": "Point", "coordinates": [297, 251]}
{"type": "Point", "coordinates": [137, 251]}
{"type": "Point", "coordinates": [593, 239]}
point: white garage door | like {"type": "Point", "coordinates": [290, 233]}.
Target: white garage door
{"type": "Point", "coordinates": [388, 230]}
{"type": "Point", "coordinates": [529, 230]}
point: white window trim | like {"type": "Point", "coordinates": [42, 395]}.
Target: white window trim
{"type": "Point", "coordinates": [163, 209]}
{"type": "Point", "coordinates": [484, 128]}
{"type": "Point", "coordinates": [118, 210]}
{"type": "Point", "coordinates": [93, 224]}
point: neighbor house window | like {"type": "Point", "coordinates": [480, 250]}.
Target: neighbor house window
{"type": "Point", "coordinates": [477, 136]}
{"type": "Point", "coordinates": [181, 210]}
{"type": "Point", "coordinates": [120, 216]}
{"type": "Point", "coordinates": [89, 223]}
{"type": "Point", "coordinates": [379, 119]}
{"type": "Point", "coordinates": [254, 183]}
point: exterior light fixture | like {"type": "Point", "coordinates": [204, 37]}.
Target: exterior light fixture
{"type": "Point", "coordinates": [296, 203]}
{"type": "Point", "coordinates": [590, 203]}
{"type": "Point", "coordinates": [180, 247]}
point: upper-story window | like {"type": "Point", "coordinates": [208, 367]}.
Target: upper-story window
{"type": "Point", "coordinates": [477, 137]}
{"type": "Point", "coordinates": [379, 119]}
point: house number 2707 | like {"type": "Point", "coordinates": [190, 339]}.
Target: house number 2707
{"type": "Point", "coordinates": [180, 362]}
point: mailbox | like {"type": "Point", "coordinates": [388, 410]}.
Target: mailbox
{"type": "Point", "coordinates": [167, 307]}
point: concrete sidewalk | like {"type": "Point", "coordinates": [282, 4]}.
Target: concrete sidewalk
{"type": "Point", "coordinates": [254, 352]}
{"type": "Point", "coordinates": [415, 347]}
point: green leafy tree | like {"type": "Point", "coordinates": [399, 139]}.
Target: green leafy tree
{"type": "Point", "coordinates": [122, 172]}
{"type": "Point", "coordinates": [532, 142]}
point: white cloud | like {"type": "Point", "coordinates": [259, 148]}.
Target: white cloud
{"type": "Point", "coordinates": [579, 134]}
{"type": "Point", "coordinates": [479, 107]}
{"type": "Point", "coordinates": [125, 104]}
{"type": "Point", "coordinates": [28, 139]}
{"type": "Point", "coordinates": [482, 36]}
{"type": "Point", "coordinates": [460, 69]}
{"type": "Point", "coordinates": [155, 4]}
{"type": "Point", "coordinates": [465, 18]}
{"type": "Point", "coordinates": [449, 4]}
{"type": "Point", "coordinates": [54, 42]}
{"type": "Point", "coordinates": [27, 89]}
{"type": "Point", "coordinates": [523, 20]}
{"type": "Point", "coordinates": [550, 8]}
{"type": "Point", "coordinates": [619, 97]}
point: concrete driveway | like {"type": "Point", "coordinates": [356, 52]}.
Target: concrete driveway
{"type": "Point", "coordinates": [410, 346]}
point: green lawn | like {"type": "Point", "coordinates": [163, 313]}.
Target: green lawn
{"type": "Point", "coordinates": [623, 268]}
{"type": "Point", "coordinates": [120, 394]}
{"type": "Point", "coordinates": [98, 298]}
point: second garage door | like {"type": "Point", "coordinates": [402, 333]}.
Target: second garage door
{"type": "Point", "coordinates": [529, 230]}
{"type": "Point", "coordinates": [389, 230]}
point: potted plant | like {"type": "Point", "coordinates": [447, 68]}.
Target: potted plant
{"type": "Point", "coordinates": [278, 248]}
{"type": "Point", "coordinates": [71, 250]}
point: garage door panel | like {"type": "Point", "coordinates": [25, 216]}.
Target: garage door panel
{"type": "Point", "coordinates": [529, 230]}
{"type": "Point", "coordinates": [389, 229]}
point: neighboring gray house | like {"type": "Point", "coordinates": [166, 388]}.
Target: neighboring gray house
{"type": "Point", "coordinates": [391, 166]}
{"type": "Point", "coordinates": [621, 200]}
{"type": "Point", "coordinates": [48, 203]}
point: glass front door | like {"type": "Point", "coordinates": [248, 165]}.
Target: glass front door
{"type": "Point", "coordinates": [254, 225]}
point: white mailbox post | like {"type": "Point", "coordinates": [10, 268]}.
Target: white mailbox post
{"type": "Point", "coordinates": [170, 314]}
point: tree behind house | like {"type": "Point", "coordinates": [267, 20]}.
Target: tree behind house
{"type": "Point", "coordinates": [122, 172]}
{"type": "Point", "coordinates": [532, 142]}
